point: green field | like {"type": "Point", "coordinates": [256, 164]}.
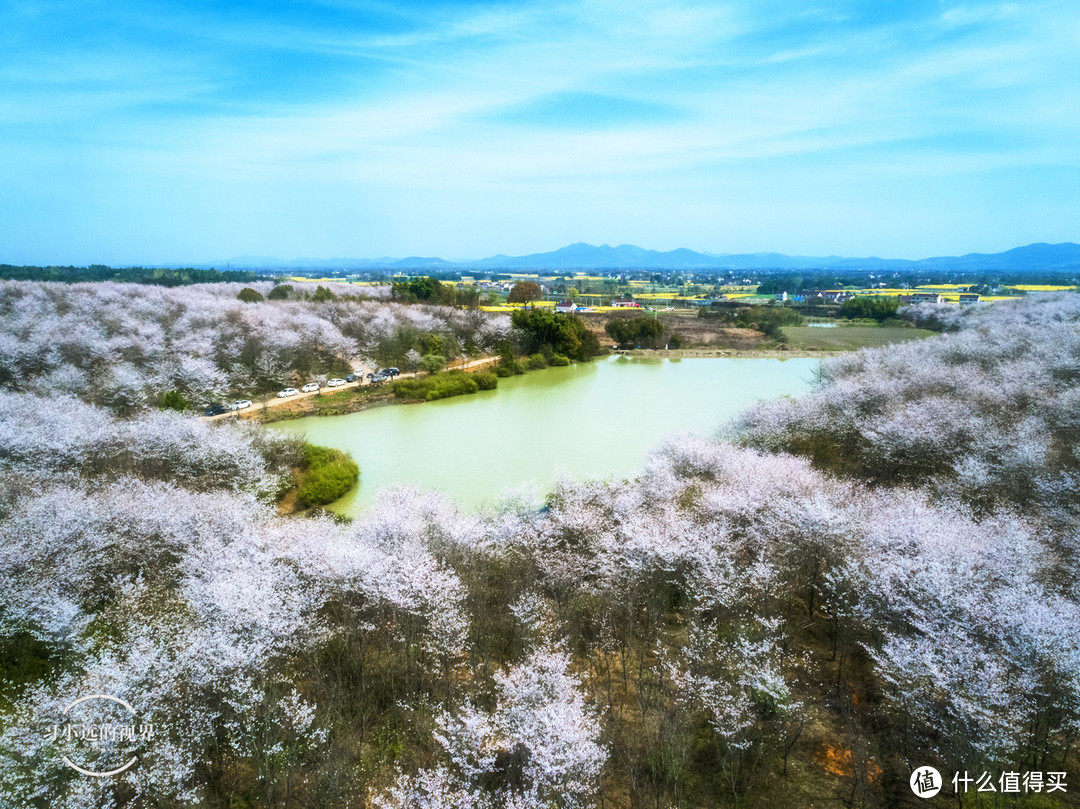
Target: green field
{"type": "Point", "coordinates": [849, 338]}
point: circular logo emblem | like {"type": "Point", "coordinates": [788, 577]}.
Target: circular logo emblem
{"type": "Point", "coordinates": [110, 728]}
{"type": "Point", "coordinates": [925, 782]}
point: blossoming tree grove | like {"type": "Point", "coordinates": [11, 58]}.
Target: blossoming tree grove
{"type": "Point", "coordinates": [841, 588]}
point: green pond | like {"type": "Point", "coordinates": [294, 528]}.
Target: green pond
{"type": "Point", "coordinates": [588, 420]}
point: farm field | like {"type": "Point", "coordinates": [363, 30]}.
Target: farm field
{"type": "Point", "coordinates": [849, 338]}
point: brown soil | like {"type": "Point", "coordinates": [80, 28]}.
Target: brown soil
{"type": "Point", "coordinates": [695, 332]}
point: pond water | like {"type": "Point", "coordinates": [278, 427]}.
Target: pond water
{"type": "Point", "coordinates": [597, 419]}
{"type": "Point", "coordinates": [822, 325]}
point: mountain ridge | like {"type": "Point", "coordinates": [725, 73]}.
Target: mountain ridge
{"type": "Point", "coordinates": [583, 256]}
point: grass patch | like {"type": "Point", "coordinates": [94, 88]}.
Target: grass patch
{"type": "Point", "coordinates": [325, 475]}
{"type": "Point", "coordinates": [849, 338]}
{"type": "Point", "coordinates": [443, 386]}
{"type": "Point", "coordinates": [536, 362]}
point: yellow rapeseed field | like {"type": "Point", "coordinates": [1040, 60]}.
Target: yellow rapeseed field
{"type": "Point", "coordinates": [1041, 288]}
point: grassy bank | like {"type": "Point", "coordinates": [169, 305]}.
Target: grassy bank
{"type": "Point", "coordinates": [444, 385]}
{"type": "Point", "coordinates": [325, 475]}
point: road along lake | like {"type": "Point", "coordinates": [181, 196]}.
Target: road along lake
{"type": "Point", "coordinates": [589, 420]}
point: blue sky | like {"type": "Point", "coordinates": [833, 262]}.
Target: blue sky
{"type": "Point", "coordinates": [149, 131]}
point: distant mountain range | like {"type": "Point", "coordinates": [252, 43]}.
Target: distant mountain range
{"type": "Point", "coordinates": [582, 256]}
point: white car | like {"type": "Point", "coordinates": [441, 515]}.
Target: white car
{"type": "Point", "coordinates": [243, 404]}
{"type": "Point", "coordinates": [310, 387]}
{"type": "Point", "coordinates": [281, 394]}
{"type": "Point", "coordinates": [335, 383]}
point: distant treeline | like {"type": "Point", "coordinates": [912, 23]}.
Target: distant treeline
{"type": "Point", "coordinates": [132, 275]}
{"type": "Point", "coordinates": [428, 289]}
{"type": "Point", "coordinates": [803, 280]}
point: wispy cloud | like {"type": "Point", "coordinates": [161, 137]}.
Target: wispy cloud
{"type": "Point", "coordinates": [690, 108]}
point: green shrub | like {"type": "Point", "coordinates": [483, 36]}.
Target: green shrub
{"type": "Point", "coordinates": [447, 385]}
{"type": "Point", "coordinates": [410, 389]}
{"type": "Point", "coordinates": [249, 295]}
{"type": "Point", "coordinates": [769, 320]}
{"type": "Point", "coordinates": [544, 330]}
{"type": "Point", "coordinates": [173, 400]}
{"type": "Point", "coordinates": [503, 371]}
{"type": "Point", "coordinates": [536, 362]}
{"type": "Point", "coordinates": [432, 363]}
{"type": "Point", "coordinates": [326, 475]}
{"type": "Point", "coordinates": [439, 386]}
{"type": "Point", "coordinates": [641, 331]}
{"type": "Point", "coordinates": [558, 361]}
{"type": "Point", "coordinates": [878, 307]}
{"type": "Point", "coordinates": [486, 380]}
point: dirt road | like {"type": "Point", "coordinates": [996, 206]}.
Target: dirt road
{"type": "Point", "coordinates": [274, 401]}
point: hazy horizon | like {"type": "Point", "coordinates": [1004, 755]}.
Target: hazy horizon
{"type": "Point", "coordinates": [166, 133]}
{"type": "Point", "coordinates": [250, 261]}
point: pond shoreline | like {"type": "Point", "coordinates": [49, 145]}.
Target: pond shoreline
{"type": "Point", "coordinates": [729, 353]}
{"type": "Point", "coordinates": [307, 408]}
{"type": "Point", "coordinates": [590, 420]}
{"type": "Point", "coordinates": [360, 403]}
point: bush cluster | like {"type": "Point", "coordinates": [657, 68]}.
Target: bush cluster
{"type": "Point", "coordinates": [548, 332]}
{"type": "Point", "coordinates": [769, 320]}
{"type": "Point", "coordinates": [874, 307]}
{"type": "Point", "coordinates": [326, 475]}
{"type": "Point", "coordinates": [636, 332]}
{"type": "Point", "coordinates": [444, 385]}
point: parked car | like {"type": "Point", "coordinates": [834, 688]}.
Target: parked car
{"type": "Point", "coordinates": [281, 394]}
{"type": "Point", "coordinates": [390, 372]}
{"type": "Point", "coordinates": [242, 404]}
{"type": "Point", "coordinates": [310, 387]}
{"type": "Point", "coordinates": [215, 410]}
{"type": "Point", "coordinates": [335, 383]}
{"type": "Point", "coordinates": [379, 377]}
{"type": "Point", "coordinates": [352, 378]}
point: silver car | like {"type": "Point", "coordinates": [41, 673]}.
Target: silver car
{"type": "Point", "coordinates": [281, 394]}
